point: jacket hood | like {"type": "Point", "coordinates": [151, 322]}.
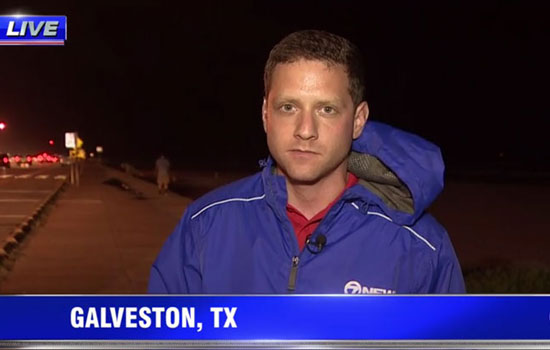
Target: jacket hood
{"type": "Point", "coordinates": [402, 170]}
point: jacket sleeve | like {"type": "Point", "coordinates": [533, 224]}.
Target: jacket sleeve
{"type": "Point", "coordinates": [177, 269]}
{"type": "Point", "coordinates": [447, 278]}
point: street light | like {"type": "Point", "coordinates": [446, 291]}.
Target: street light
{"type": "Point", "coordinates": [2, 126]}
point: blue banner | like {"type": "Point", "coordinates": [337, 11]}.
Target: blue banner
{"type": "Point", "coordinates": [33, 30]}
{"type": "Point", "coordinates": [357, 317]}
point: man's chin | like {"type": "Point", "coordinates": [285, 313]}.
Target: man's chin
{"type": "Point", "coordinates": [302, 176]}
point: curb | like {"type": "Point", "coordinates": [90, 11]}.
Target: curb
{"type": "Point", "coordinates": [21, 231]}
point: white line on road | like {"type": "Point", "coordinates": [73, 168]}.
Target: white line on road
{"type": "Point", "coordinates": [60, 177]}
{"type": "Point", "coordinates": [28, 174]}
{"type": "Point", "coordinates": [25, 176]}
{"type": "Point", "coordinates": [25, 191]}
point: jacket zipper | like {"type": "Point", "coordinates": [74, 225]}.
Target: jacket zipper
{"type": "Point", "coordinates": [293, 273]}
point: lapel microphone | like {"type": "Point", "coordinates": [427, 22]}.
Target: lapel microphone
{"type": "Point", "coordinates": [317, 245]}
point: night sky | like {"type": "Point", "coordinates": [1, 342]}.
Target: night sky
{"type": "Point", "coordinates": [143, 77]}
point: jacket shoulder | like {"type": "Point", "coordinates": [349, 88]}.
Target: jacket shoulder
{"type": "Point", "coordinates": [249, 188]}
{"type": "Point", "coordinates": [429, 230]}
{"type": "Point", "coordinates": [178, 267]}
{"type": "Point", "coordinates": [446, 273]}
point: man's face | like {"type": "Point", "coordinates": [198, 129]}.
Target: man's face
{"type": "Point", "coordinates": [310, 119]}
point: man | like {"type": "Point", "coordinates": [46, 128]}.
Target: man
{"type": "Point", "coordinates": [325, 215]}
{"type": "Point", "coordinates": [162, 167]}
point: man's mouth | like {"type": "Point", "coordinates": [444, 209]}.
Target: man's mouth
{"type": "Point", "coordinates": [302, 153]}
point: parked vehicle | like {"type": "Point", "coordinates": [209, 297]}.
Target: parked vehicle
{"type": "Point", "coordinates": [22, 161]}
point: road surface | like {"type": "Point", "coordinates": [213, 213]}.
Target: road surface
{"type": "Point", "coordinates": [23, 189]}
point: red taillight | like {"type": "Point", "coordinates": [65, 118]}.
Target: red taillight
{"type": "Point", "coordinates": [17, 159]}
{"type": "Point", "coordinates": [40, 158]}
{"type": "Point", "coordinates": [29, 159]}
{"type": "Point", "coordinates": [6, 160]}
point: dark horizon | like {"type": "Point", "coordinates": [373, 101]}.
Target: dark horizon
{"type": "Point", "coordinates": [141, 78]}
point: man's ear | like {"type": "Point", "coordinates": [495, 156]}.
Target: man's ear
{"type": "Point", "coordinates": [360, 118]}
{"type": "Point", "coordinates": [264, 114]}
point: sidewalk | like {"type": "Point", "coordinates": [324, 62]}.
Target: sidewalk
{"type": "Point", "coordinates": [96, 238]}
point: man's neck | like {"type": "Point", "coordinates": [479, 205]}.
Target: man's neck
{"type": "Point", "coordinates": [310, 199]}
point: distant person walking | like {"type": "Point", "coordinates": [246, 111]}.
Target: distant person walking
{"type": "Point", "coordinates": [162, 168]}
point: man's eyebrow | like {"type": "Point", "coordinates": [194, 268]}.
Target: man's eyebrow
{"type": "Point", "coordinates": [281, 99]}
{"type": "Point", "coordinates": [336, 100]}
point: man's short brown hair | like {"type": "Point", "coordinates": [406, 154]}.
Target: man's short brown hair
{"type": "Point", "coordinates": [322, 46]}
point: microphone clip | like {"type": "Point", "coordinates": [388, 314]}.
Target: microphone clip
{"type": "Point", "coordinates": [316, 246]}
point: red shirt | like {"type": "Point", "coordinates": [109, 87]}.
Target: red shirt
{"type": "Point", "coordinates": [304, 227]}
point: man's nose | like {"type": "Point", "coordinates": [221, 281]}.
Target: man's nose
{"type": "Point", "coordinates": [306, 126]}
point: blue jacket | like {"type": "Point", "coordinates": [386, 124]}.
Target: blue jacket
{"type": "Point", "coordinates": [379, 239]}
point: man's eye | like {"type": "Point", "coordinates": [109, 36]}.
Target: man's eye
{"type": "Point", "coordinates": [329, 110]}
{"type": "Point", "coordinates": [287, 107]}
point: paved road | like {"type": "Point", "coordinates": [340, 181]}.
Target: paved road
{"type": "Point", "coordinates": [23, 189]}
{"type": "Point", "coordinates": [96, 238]}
